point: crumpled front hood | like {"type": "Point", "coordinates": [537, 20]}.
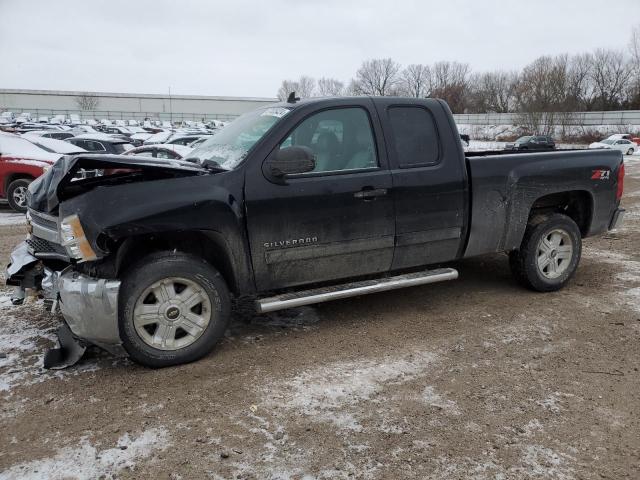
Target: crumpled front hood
{"type": "Point", "coordinates": [57, 184]}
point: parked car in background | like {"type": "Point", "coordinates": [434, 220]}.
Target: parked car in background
{"type": "Point", "coordinates": [624, 136]}
{"type": "Point", "coordinates": [21, 162]}
{"type": "Point", "coordinates": [118, 130]}
{"type": "Point", "coordinates": [625, 146]}
{"type": "Point", "coordinates": [168, 151]}
{"type": "Point", "coordinates": [101, 143]}
{"type": "Point", "coordinates": [54, 146]}
{"type": "Point", "coordinates": [185, 139]}
{"type": "Point", "coordinates": [160, 137]}
{"type": "Point", "coordinates": [532, 142]}
{"type": "Point", "coordinates": [57, 134]}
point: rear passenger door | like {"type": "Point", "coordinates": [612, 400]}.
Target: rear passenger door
{"type": "Point", "coordinates": [429, 181]}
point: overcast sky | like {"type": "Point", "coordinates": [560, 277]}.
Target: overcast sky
{"type": "Point", "coordinates": [245, 48]}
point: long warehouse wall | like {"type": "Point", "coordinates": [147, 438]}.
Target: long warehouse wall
{"type": "Point", "coordinates": [124, 105]}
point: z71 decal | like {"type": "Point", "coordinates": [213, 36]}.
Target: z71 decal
{"type": "Point", "coordinates": [600, 175]}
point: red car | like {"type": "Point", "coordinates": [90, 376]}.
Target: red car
{"type": "Point", "coordinates": [21, 162]}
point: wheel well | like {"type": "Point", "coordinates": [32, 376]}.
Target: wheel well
{"type": "Point", "coordinates": [207, 246]}
{"type": "Point", "coordinates": [576, 204]}
{"type": "Point", "coordinates": [16, 176]}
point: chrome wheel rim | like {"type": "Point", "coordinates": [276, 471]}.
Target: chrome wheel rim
{"type": "Point", "coordinates": [555, 252]}
{"type": "Point", "coordinates": [20, 196]}
{"type": "Point", "coordinates": [172, 313]}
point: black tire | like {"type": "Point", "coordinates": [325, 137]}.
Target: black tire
{"type": "Point", "coordinates": [524, 262]}
{"type": "Point", "coordinates": [16, 194]}
{"type": "Point", "coordinates": [169, 265]}
{"type": "Point", "coordinates": [630, 151]}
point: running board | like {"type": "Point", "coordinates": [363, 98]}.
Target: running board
{"type": "Point", "coordinates": [326, 294]}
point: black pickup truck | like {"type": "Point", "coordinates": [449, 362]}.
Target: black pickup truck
{"type": "Point", "coordinates": [295, 203]}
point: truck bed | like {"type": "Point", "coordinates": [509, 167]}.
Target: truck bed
{"type": "Point", "coordinates": [506, 186]}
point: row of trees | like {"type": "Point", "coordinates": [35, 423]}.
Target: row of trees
{"type": "Point", "coordinates": [601, 80]}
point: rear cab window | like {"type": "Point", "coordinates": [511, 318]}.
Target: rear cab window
{"type": "Point", "coordinates": [415, 136]}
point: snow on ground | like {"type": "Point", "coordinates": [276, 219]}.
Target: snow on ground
{"type": "Point", "coordinates": [24, 340]}
{"type": "Point", "coordinates": [11, 218]}
{"type": "Point", "coordinates": [340, 393]}
{"type": "Point", "coordinates": [87, 461]}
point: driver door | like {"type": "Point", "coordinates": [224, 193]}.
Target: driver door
{"type": "Point", "coordinates": [335, 222]}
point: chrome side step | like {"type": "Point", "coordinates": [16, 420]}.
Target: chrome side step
{"type": "Point", "coordinates": [318, 295]}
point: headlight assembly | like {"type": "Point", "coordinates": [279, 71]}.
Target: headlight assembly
{"type": "Point", "coordinates": [74, 239]}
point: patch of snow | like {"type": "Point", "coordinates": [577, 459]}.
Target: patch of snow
{"type": "Point", "coordinates": [12, 218]}
{"type": "Point", "coordinates": [542, 462]}
{"type": "Point", "coordinates": [23, 343]}
{"type": "Point", "coordinates": [434, 399]}
{"type": "Point", "coordinates": [334, 392]}
{"type": "Point", "coordinates": [87, 461]}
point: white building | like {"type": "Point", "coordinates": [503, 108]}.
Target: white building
{"type": "Point", "coordinates": [100, 105]}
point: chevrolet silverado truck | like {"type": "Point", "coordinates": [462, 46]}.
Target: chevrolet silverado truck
{"type": "Point", "coordinates": [293, 204]}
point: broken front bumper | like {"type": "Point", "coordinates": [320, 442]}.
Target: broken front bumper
{"type": "Point", "coordinates": [89, 305]}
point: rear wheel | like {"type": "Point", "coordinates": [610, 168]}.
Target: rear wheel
{"type": "Point", "coordinates": [17, 194]}
{"type": "Point", "coordinates": [630, 151]}
{"type": "Point", "coordinates": [549, 253]}
{"type": "Point", "coordinates": [174, 308]}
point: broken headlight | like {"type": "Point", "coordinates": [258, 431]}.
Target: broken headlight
{"type": "Point", "coordinates": [74, 240]}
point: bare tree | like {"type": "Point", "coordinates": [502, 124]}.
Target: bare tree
{"type": "Point", "coordinates": [304, 88]}
{"type": "Point", "coordinates": [378, 77]}
{"type": "Point", "coordinates": [634, 49]}
{"type": "Point", "coordinates": [87, 102]}
{"type": "Point", "coordinates": [611, 76]}
{"type": "Point", "coordinates": [330, 87]}
{"type": "Point", "coordinates": [416, 81]}
{"type": "Point", "coordinates": [634, 46]}
{"type": "Point", "coordinates": [450, 82]}
{"type": "Point", "coordinates": [493, 92]}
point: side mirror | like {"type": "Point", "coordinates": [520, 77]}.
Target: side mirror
{"type": "Point", "coordinates": [290, 161]}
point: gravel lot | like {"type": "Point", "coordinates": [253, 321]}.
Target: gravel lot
{"type": "Point", "coordinates": [476, 378]}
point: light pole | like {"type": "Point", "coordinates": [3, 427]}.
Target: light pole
{"type": "Point", "coordinates": [170, 108]}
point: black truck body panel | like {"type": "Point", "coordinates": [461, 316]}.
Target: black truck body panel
{"type": "Point", "coordinates": [319, 227]}
{"type": "Point", "coordinates": [505, 187]}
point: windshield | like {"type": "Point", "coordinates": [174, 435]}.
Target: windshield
{"type": "Point", "coordinates": [229, 146]}
{"type": "Point", "coordinates": [523, 139]}
{"type": "Point", "coordinates": [608, 141]}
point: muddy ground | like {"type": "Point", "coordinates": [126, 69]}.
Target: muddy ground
{"type": "Point", "coordinates": [476, 378]}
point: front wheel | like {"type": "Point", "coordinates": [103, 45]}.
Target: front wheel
{"type": "Point", "coordinates": [17, 194]}
{"type": "Point", "coordinates": [549, 254]}
{"type": "Point", "coordinates": [174, 308]}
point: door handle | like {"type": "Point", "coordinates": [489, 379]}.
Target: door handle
{"type": "Point", "coordinates": [370, 193]}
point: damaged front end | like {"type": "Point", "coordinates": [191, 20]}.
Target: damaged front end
{"type": "Point", "coordinates": [55, 259]}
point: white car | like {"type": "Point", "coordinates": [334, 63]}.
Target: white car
{"type": "Point", "coordinates": [54, 146]}
{"type": "Point", "coordinates": [625, 146]}
{"type": "Point", "coordinates": [166, 151]}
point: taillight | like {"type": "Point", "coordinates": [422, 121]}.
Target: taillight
{"type": "Point", "coordinates": [620, 182]}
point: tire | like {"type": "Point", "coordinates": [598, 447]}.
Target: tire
{"type": "Point", "coordinates": [155, 330]}
{"type": "Point", "coordinates": [17, 194]}
{"type": "Point", "coordinates": [547, 266]}
{"type": "Point", "coordinates": [630, 151]}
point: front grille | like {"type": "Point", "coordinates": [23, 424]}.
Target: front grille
{"type": "Point", "coordinates": [47, 221]}
{"type": "Point", "coordinates": [40, 245]}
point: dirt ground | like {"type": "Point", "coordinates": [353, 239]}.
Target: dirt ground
{"type": "Point", "coordinates": [476, 378]}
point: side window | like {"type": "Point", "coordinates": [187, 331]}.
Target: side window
{"type": "Point", "coordinates": [341, 139]}
{"type": "Point", "coordinates": [165, 154]}
{"type": "Point", "coordinates": [94, 146]}
{"type": "Point", "coordinates": [415, 136]}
